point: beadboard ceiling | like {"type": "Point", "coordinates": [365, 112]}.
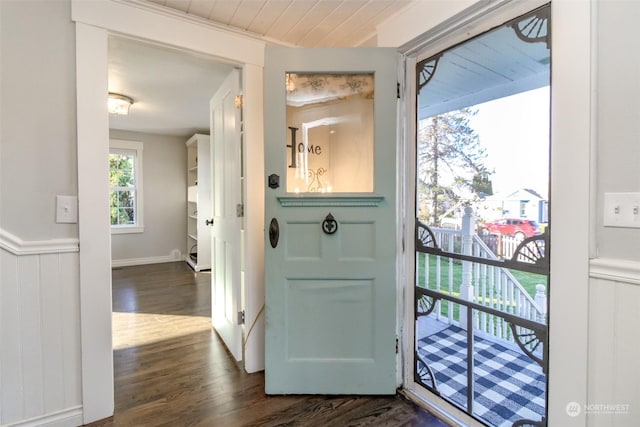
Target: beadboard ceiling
{"type": "Point", "coordinates": [304, 23]}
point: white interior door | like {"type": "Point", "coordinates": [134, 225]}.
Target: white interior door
{"type": "Point", "coordinates": [330, 205]}
{"type": "Point", "coordinates": [226, 161]}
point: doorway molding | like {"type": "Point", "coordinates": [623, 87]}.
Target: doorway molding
{"type": "Point", "coordinates": [95, 22]}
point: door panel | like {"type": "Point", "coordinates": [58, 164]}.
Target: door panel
{"type": "Point", "coordinates": [331, 297]}
{"type": "Point", "coordinates": [227, 195]}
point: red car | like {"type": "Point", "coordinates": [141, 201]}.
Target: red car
{"type": "Point", "coordinates": [516, 227]}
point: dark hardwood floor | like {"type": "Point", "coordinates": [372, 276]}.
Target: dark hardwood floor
{"type": "Point", "coordinates": [171, 369]}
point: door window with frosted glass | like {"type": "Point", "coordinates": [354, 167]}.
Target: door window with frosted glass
{"type": "Point", "coordinates": [330, 133]}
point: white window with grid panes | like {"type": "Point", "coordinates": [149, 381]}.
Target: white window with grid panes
{"type": "Point", "coordinates": [125, 186]}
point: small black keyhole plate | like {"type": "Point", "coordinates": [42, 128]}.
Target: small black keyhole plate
{"type": "Point", "coordinates": [329, 225]}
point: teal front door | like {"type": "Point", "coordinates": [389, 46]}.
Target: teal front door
{"type": "Point", "coordinates": [331, 220]}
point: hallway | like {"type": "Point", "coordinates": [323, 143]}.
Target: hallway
{"type": "Point", "coordinates": [171, 369]}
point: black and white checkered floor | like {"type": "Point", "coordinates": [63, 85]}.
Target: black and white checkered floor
{"type": "Point", "coordinates": [509, 385]}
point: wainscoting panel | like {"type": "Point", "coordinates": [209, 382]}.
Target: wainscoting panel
{"type": "Point", "coordinates": [40, 336]}
{"type": "Point", "coordinates": [614, 344]}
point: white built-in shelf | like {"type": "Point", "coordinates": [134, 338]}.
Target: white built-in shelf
{"type": "Point", "coordinates": [192, 193]}
{"type": "Point", "coordinates": [198, 202]}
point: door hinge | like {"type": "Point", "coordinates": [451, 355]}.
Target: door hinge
{"type": "Point", "coordinates": [398, 90]}
{"type": "Point", "coordinates": [240, 210]}
{"type": "Point", "coordinates": [241, 317]}
{"type": "Point", "coordinates": [397, 345]}
{"type": "Point", "coordinates": [239, 101]}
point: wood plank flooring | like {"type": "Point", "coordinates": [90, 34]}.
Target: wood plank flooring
{"type": "Point", "coordinates": [171, 369]}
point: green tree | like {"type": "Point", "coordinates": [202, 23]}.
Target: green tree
{"type": "Point", "coordinates": [450, 161]}
{"type": "Point", "coordinates": [481, 184]}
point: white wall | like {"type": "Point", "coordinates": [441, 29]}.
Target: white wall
{"type": "Point", "coordinates": [37, 123]}
{"type": "Point", "coordinates": [165, 203]}
{"type": "Point", "coordinates": [618, 125]}
{"type": "Point", "coordinates": [614, 314]}
{"type": "Point", "coordinates": [39, 281]}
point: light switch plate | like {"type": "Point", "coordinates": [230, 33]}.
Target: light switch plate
{"type": "Point", "coordinates": [66, 209]}
{"type": "Point", "coordinates": [622, 210]}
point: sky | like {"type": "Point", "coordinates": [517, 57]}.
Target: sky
{"type": "Point", "coordinates": [515, 132]}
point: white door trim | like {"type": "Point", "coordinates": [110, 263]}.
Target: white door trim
{"type": "Point", "coordinates": [95, 21]}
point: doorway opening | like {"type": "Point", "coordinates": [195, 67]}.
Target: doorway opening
{"type": "Point", "coordinates": [93, 28]}
{"type": "Point", "coordinates": [482, 223]}
{"type": "Point", "coordinates": [171, 120]}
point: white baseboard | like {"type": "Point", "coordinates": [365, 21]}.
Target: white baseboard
{"type": "Point", "coordinates": [71, 417]}
{"type": "Point", "coordinates": [145, 261]}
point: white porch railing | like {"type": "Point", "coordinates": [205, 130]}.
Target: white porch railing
{"type": "Point", "coordinates": [487, 285]}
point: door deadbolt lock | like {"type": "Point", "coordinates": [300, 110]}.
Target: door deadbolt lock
{"type": "Point", "coordinates": [274, 181]}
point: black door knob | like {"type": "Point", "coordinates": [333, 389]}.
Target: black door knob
{"type": "Point", "coordinates": [274, 232]}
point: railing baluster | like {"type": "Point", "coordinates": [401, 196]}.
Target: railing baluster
{"type": "Point", "coordinates": [518, 308]}
{"type": "Point", "coordinates": [499, 301]}
{"type": "Point", "coordinates": [425, 273]}
{"type": "Point", "coordinates": [512, 298]}
{"type": "Point", "coordinates": [475, 279]}
{"type": "Point", "coordinates": [470, 374]}
{"type": "Point", "coordinates": [484, 292]}
{"type": "Point", "coordinates": [492, 285]}
{"type": "Point", "coordinates": [439, 278]}
{"type": "Point", "coordinates": [450, 288]}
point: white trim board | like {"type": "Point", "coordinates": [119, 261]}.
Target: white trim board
{"type": "Point", "coordinates": [139, 20]}
{"type": "Point", "coordinates": [17, 246]}
{"type": "Point", "coordinates": [70, 417]}
{"type": "Point", "coordinates": [615, 270]}
{"type": "Point", "coordinates": [145, 261]}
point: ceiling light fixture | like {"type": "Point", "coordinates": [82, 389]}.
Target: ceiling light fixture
{"type": "Point", "coordinates": [119, 104]}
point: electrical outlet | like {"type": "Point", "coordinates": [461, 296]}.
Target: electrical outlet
{"type": "Point", "coordinates": [622, 210]}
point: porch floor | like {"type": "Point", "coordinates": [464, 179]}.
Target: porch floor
{"type": "Point", "coordinates": [508, 385]}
